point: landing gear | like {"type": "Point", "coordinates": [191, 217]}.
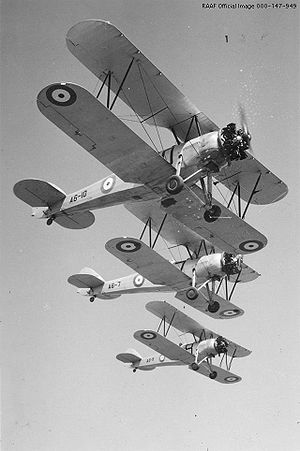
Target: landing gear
{"type": "Point", "coordinates": [50, 220]}
{"type": "Point", "coordinates": [134, 370]}
{"type": "Point", "coordinates": [195, 366]}
{"type": "Point", "coordinates": [213, 375]}
{"type": "Point", "coordinates": [213, 307]}
{"type": "Point", "coordinates": [174, 184]}
{"type": "Point", "coordinates": [212, 214]}
{"type": "Point", "coordinates": [92, 298]}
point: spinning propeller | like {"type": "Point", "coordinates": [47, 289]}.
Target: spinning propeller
{"type": "Point", "coordinates": [243, 120]}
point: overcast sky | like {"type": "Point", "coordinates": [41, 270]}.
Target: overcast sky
{"type": "Point", "coordinates": [63, 389]}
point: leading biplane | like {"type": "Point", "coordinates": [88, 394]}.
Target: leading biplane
{"type": "Point", "coordinates": [197, 354]}
{"type": "Point", "coordinates": [178, 180]}
{"type": "Point", "coordinates": [196, 281]}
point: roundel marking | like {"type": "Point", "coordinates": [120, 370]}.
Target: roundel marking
{"type": "Point", "coordinates": [251, 245]}
{"type": "Point", "coordinates": [138, 280]}
{"type": "Point", "coordinates": [108, 184]}
{"type": "Point", "coordinates": [148, 335]}
{"type": "Point", "coordinates": [161, 358]}
{"type": "Point", "coordinates": [128, 246]}
{"type": "Point", "coordinates": [231, 312]}
{"type": "Point", "coordinates": [232, 379]}
{"type": "Point", "coordinates": [61, 95]}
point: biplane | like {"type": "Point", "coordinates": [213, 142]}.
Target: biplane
{"type": "Point", "coordinates": [194, 280]}
{"type": "Point", "coordinates": [163, 187]}
{"type": "Point", "coordinates": [197, 354]}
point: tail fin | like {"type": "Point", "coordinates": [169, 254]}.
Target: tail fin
{"type": "Point", "coordinates": [87, 278]}
{"type": "Point", "coordinates": [130, 356]}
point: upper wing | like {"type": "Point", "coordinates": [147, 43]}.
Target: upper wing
{"type": "Point", "coordinates": [106, 52]}
{"type": "Point", "coordinates": [186, 324]}
{"type": "Point", "coordinates": [82, 117]}
{"type": "Point", "coordinates": [254, 179]}
{"type": "Point", "coordinates": [144, 260]}
{"type": "Point", "coordinates": [163, 346]}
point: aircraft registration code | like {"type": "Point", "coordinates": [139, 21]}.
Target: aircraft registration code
{"type": "Point", "coordinates": [113, 285]}
{"type": "Point", "coordinates": [150, 359]}
{"type": "Point", "coordinates": [78, 196]}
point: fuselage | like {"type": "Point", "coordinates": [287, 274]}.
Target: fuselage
{"type": "Point", "coordinates": [201, 155]}
{"type": "Point", "coordinates": [199, 350]}
{"type": "Point", "coordinates": [205, 268]}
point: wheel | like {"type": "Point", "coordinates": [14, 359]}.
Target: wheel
{"type": "Point", "coordinates": [49, 221]}
{"type": "Point", "coordinates": [195, 366]}
{"type": "Point", "coordinates": [192, 294]}
{"type": "Point", "coordinates": [92, 298]}
{"type": "Point", "coordinates": [213, 375]}
{"type": "Point", "coordinates": [212, 214]}
{"type": "Point", "coordinates": [134, 370]}
{"type": "Point", "coordinates": [213, 308]}
{"type": "Point", "coordinates": [174, 185]}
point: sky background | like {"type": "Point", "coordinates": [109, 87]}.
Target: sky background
{"type": "Point", "coordinates": [62, 388]}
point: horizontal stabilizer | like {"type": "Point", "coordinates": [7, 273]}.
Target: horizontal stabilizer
{"type": "Point", "coordinates": [128, 357]}
{"type": "Point", "coordinates": [38, 193]}
{"type": "Point", "coordinates": [86, 280]}
{"type": "Point", "coordinates": [80, 220]}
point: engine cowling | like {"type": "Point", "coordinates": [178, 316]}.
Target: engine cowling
{"type": "Point", "coordinates": [210, 347]}
{"type": "Point", "coordinates": [213, 266]}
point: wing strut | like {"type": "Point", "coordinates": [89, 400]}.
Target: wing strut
{"type": "Point", "coordinates": [108, 89]}
{"type": "Point", "coordinates": [235, 284]}
{"type": "Point", "coordinates": [107, 80]}
{"type": "Point", "coordinates": [251, 195]}
{"type": "Point", "coordinates": [237, 192]}
{"type": "Point", "coordinates": [163, 323]}
{"type": "Point", "coordinates": [121, 84]}
{"type": "Point", "coordinates": [202, 244]}
{"type": "Point", "coordinates": [149, 225]}
{"type": "Point", "coordinates": [102, 86]}
{"type": "Point", "coordinates": [227, 364]}
{"type": "Point", "coordinates": [224, 281]}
